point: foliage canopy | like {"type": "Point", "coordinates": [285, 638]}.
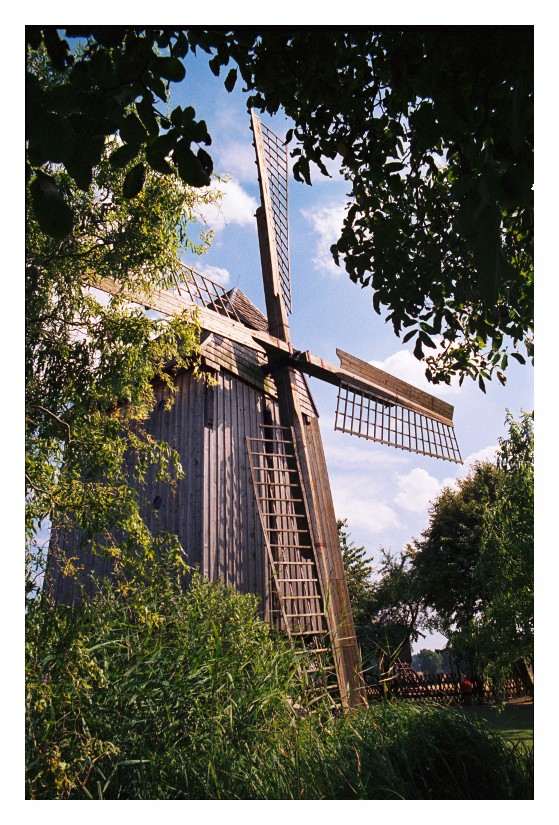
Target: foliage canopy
{"type": "Point", "coordinates": [433, 129]}
{"type": "Point", "coordinates": [91, 362]}
{"type": "Point", "coordinates": [470, 576]}
{"type": "Point", "coordinates": [474, 564]}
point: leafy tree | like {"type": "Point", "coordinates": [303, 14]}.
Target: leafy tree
{"type": "Point", "coordinates": [161, 694]}
{"type": "Point", "coordinates": [386, 609]}
{"type": "Point", "coordinates": [68, 123]}
{"type": "Point", "coordinates": [504, 631]}
{"type": "Point", "coordinates": [428, 661]}
{"type": "Point", "coordinates": [395, 615]}
{"type": "Point", "coordinates": [203, 701]}
{"type": "Point", "coordinates": [91, 363]}
{"type": "Point", "coordinates": [433, 129]}
{"type": "Point", "coordinates": [474, 565]}
{"type": "Point", "coordinates": [358, 573]}
{"type": "Point", "coordinates": [446, 558]}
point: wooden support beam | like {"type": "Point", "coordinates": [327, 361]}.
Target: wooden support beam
{"type": "Point", "coordinates": [362, 376]}
{"type": "Point", "coordinates": [169, 303]}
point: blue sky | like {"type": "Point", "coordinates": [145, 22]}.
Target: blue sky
{"type": "Point", "coordinates": [384, 493]}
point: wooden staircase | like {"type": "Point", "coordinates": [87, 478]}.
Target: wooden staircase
{"type": "Point", "coordinates": [405, 672]}
{"type": "Point", "coordinates": [300, 609]}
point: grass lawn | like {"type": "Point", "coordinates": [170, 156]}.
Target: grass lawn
{"type": "Point", "coordinates": [515, 723]}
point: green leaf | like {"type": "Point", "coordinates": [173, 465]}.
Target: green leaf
{"type": "Point", "coordinates": [57, 48]}
{"type": "Point", "coordinates": [301, 171]}
{"type": "Point", "coordinates": [190, 167]}
{"type": "Point", "coordinates": [198, 132]}
{"type": "Point", "coordinates": [50, 136]}
{"type": "Point", "coordinates": [170, 68]}
{"type": "Point", "coordinates": [123, 155]}
{"type": "Point", "coordinates": [53, 214]}
{"type": "Point", "coordinates": [156, 154]}
{"type": "Point", "coordinates": [205, 160]}
{"type": "Point", "coordinates": [134, 181]}
{"type": "Point", "coordinates": [426, 341]}
{"type": "Point", "coordinates": [215, 65]}
{"type": "Point", "coordinates": [33, 36]}
{"type": "Point", "coordinates": [180, 47]}
{"type": "Point", "coordinates": [520, 358]}
{"type": "Point", "coordinates": [132, 130]}
{"type": "Point", "coordinates": [393, 166]}
{"type": "Point", "coordinates": [157, 86]}
{"type": "Point", "coordinates": [486, 247]}
{"type": "Point", "coordinates": [230, 80]}
{"type": "Point", "coordinates": [147, 115]}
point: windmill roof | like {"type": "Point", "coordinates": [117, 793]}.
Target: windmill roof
{"type": "Point", "coordinates": [248, 313]}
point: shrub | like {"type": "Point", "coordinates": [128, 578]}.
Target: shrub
{"type": "Point", "coordinates": [403, 750]}
{"type": "Point", "coordinates": [171, 698]}
{"type": "Point", "coordinates": [176, 695]}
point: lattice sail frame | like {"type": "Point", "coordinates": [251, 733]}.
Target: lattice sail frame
{"type": "Point", "coordinates": [368, 416]}
{"type": "Point", "coordinates": [206, 293]}
{"type": "Point", "coordinates": [274, 171]}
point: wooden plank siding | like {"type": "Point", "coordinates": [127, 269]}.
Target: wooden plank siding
{"type": "Point", "coordinates": [61, 584]}
{"type": "Point", "coordinates": [243, 362]}
{"type": "Point", "coordinates": [213, 508]}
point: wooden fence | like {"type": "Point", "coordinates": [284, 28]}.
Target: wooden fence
{"type": "Point", "coordinates": [445, 686]}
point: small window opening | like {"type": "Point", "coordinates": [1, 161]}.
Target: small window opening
{"type": "Point", "coordinates": [209, 405]}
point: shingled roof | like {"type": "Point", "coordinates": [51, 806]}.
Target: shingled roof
{"type": "Point", "coordinates": [248, 313]}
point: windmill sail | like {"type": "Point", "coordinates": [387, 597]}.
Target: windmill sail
{"type": "Point", "coordinates": [271, 158]}
{"type": "Point", "coordinates": [403, 416]}
{"type": "Point", "coordinates": [378, 406]}
{"type": "Point", "coordinates": [371, 404]}
{"type": "Point", "coordinates": [368, 416]}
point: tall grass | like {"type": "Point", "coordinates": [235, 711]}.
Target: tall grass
{"type": "Point", "coordinates": [190, 696]}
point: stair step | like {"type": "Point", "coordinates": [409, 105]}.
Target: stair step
{"type": "Point", "coordinates": [292, 546]}
{"type": "Point", "coordinates": [300, 581]}
{"type": "Point", "coordinates": [273, 455]}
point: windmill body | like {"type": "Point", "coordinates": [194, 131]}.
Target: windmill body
{"type": "Point", "coordinates": [255, 508]}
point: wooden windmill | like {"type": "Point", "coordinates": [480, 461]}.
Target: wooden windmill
{"type": "Point", "coordinates": [255, 508]}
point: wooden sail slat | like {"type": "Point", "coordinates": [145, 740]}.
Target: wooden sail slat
{"type": "Point", "coordinates": [366, 416]}
{"type": "Point", "coordinates": [400, 390]}
{"type": "Point", "coordinates": [360, 375]}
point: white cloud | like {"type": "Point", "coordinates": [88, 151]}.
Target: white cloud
{"type": "Point", "coordinates": [364, 512]}
{"type": "Point", "coordinates": [237, 207]}
{"type": "Point", "coordinates": [327, 223]}
{"type": "Point", "coordinates": [485, 454]}
{"type": "Point", "coordinates": [237, 159]}
{"type": "Point", "coordinates": [403, 364]}
{"type": "Point", "coordinates": [218, 274]}
{"type": "Point", "coordinates": [350, 457]}
{"type": "Point", "coordinates": [416, 490]}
